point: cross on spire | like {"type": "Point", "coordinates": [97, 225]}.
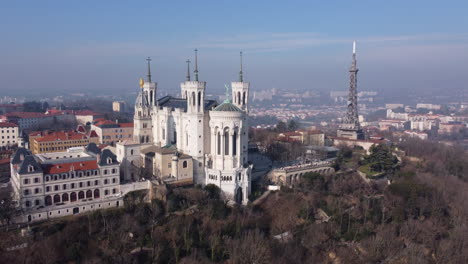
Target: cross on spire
{"type": "Point", "coordinates": [149, 69]}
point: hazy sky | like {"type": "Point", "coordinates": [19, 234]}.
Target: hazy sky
{"type": "Point", "coordinates": [91, 45]}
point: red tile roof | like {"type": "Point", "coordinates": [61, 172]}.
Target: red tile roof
{"type": "Point", "coordinates": [93, 134]}
{"type": "Point", "coordinates": [61, 135]}
{"type": "Point", "coordinates": [8, 124]}
{"type": "Point", "coordinates": [125, 125]}
{"type": "Point", "coordinates": [104, 122]}
{"type": "Point", "coordinates": [72, 166]}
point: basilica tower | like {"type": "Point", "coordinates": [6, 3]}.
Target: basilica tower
{"type": "Point", "coordinates": [240, 90]}
{"type": "Point", "coordinates": [196, 120]}
{"type": "Point", "coordinates": [144, 106]}
{"type": "Point", "coordinates": [227, 163]}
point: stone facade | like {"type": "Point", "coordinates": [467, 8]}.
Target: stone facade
{"type": "Point", "coordinates": [63, 183]}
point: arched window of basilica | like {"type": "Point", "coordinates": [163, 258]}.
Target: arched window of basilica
{"type": "Point", "coordinates": [193, 98]}
{"type": "Point", "coordinates": [219, 143]}
{"type": "Point", "coordinates": [226, 141]}
{"type": "Point", "coordinates": [243, 99]}
{"type": "Point", "coordinates": [238, 97]}
{"type": "Point", "coordinates": [199, 101]}
{"type": "Point", "coordinates": [234, 144]}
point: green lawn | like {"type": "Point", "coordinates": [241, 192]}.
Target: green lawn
{"type": "Point", "coordinates": [368, 171]}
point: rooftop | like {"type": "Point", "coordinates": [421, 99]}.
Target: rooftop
{"type": "Point", "coordinates": [227, 106]}
{"type": "Point", "coordinates": [173, 103]}
{"type": "Point", "coordinates": [8, 124]}
{"type": "Point", "coordinates": [71, 166]}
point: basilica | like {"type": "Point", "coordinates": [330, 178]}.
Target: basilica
{"type": "Point", "coordinates": [191, 139]}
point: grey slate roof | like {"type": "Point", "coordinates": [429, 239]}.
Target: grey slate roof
{"type": "Point", "coordinates": [17, 156]}
{"type": "Point", "coordinates": [105, 154]}
{"type": "Point", "coordinates": [92, 147]}
{"type": "Point", "coordinates": [29, 160]}
{"type": "Point", "coordinates": [172, 102]}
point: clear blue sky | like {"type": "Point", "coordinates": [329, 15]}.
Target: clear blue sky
{"type": "Point", "coordinates": [90, 45]}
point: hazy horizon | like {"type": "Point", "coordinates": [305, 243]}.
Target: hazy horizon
{"type": "Point", "coordinates": [87, 46]}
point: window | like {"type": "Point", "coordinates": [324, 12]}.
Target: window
{"type": "Point", "coordinates": [114, 171]}
{"type": "Point", "coordinates": [234, 144]}
{"type": "Point", "coordinates": [36, 180]}
{"type": "Point", "coordinates": [219, 143]}
{"type": "Point", "coordinates": [106, 181]}
{"type": "Point", "coordinates": [114, 190]}
{"type": "Point", "coordinates": [96, 182]}
{"type": "Point", "coordinates": [88, 183]}
{"type": "Point", "coordinates": [184, 164]}
{"type": "Point", "coordinates": [28, 204]}
{"type": "Point", "coordinates": [72, 186]}
{"type": "Point", "coordinates": [26, 192]}
{"type": "Point", "coordinates": [47, 189]}
{"type": "Point", "coordinates": [26, 181]}
{"type": "Point", "coordinates": [106, 172]}
{"type": "Point", "coordinates": [56, 187]}
{"type": "Point", "coordinates": [226, 142]}
{"type": "Point", "coordinates": [106, 192]}
{"type": "Point", "coordinates": [37, 190]}
{"type": "Point", "coordinates": [64, 187]}
{"type": "Point", "coordinates": [37, 202]}
{"type": "Point", "coordinates": [114, 180]}
{"type": "Point", "coordinates": [81, 184]}
{"type": "Point", "coordinates": [169, 165]}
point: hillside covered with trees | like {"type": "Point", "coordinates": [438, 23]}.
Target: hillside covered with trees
{"type": "Point", "coordinates": [420, 217]}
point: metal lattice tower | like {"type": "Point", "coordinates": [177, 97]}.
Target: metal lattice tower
{"type": "Point", "coordinates": [352, 118]}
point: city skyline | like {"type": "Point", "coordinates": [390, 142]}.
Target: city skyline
{"type": "Point", "coordinates": [94, 46]}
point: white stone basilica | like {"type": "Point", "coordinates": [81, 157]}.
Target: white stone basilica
{"type": "Point", "coordinates": [212, 139]}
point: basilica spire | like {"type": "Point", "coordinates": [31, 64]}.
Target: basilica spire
{"type": "Point", "coordinates": [196, 65]}
{"type": "Point", "coordinates": [241, 78]}
{"type": "Point", "coordinates": [149, 69]}
{"type": "Point", "coordinates": [188, 71]}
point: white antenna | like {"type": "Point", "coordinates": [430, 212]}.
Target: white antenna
{"type": "Point", "coordinates": [354, 47]}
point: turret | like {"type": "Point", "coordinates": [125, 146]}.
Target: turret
{"type": "Point", "coordinates": [145, 103]}
{"type": "Point", "coordinates": [240, 90]}
{"type": "Point", "coordinates": [193, 91]}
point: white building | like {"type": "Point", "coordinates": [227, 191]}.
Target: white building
{"type": "Point", "coordinates": [416, 134]}
{"type": "Point", "coordinates": [8, 134]}
{"type": "Point", "coordinates": [214, 136]}
{"type": "Point", "coordinates": [56, 184]}
{"type": "Point", "coordinates": [429, 106]}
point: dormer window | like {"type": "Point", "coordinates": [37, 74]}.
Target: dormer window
{"type": "Point", "coordinates": [30, 168]}
{"type": "Point", "coordinates": [109, 161]}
